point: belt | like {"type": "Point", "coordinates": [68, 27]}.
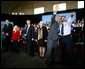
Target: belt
{"type": "Point", "coordinates": [64, 35]}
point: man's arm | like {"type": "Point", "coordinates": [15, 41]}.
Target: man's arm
{"type": "Point", "coordinates": [71, 19]}
{"type": "Point", "coordinates": [32, 33]}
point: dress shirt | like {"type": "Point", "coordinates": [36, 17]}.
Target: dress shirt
{"type": "Point", "coordinates": [67, 27]}
{"type": "Point", "coordinates": [27, 29]}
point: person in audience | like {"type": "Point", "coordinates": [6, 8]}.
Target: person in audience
{"type": "Point", "coordinates": [23, 32]}
{"type": "Point", "coordinates": [82, 23]}
{"type": "Point", "coordinates": [78, 23]}
{"type": "Point", "coordinates": [29, 38]}
{"type": "Point", "coordinates": [82, 31]}
{"type": "Point", "coordinates": [42, 38]}
{"type": "Point", "coordinates": [36, 37]}
{"type": "Point", "coordinates": [15, 38]}
{"type": "Point", "coordinates": [7, 32]}
{"type": "Point", "coordinates": [2, 40]}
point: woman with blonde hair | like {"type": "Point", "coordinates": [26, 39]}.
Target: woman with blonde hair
{"type": "Point", "coordinates": [15, 38]}
{"type": "Point", "coordinates": [42, 37]}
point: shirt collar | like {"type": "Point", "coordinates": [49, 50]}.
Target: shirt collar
{"type": "Point", "coordinates": [28, 25]}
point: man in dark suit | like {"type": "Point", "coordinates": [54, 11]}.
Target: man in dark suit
{"type": "Point", "coordinates": [52, 40]}
{"type": "Point", "coordinates": [7, 32]}
{"type": "Point", "coordinates": [30, 38]}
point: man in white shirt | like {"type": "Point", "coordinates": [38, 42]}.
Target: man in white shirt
{"type": "Point", "coordinates": [65, 39]}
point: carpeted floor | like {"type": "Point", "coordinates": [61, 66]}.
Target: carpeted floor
{"type": "Point", "coordinates": [23, 60]}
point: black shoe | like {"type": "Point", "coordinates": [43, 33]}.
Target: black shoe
{"type": "Point", "coordinates": [46, 62]}
{"type": "Point", "coordinates": [59, 62]}
{"type": "Point", "coordinates": [42, 57]}
{"type": "Point", "coordinates": [49, 62]}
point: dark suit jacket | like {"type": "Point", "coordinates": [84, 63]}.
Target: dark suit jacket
{"type": "Point", "coordinates": [23, 33]}
{"type": "Point", "coordinates": [30, 33]}
{"type": "Point", "coordinates": [36, 34]}
{"type": "Point", "coordinates": [8, 29]}
{"type": "Point", "coordinates": [54, 30]}
{"type": "Point", "coordinates": [45, 33]}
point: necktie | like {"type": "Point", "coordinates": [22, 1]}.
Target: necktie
{"type": "Point", "coordinates": [62, 28]}
{"type": "Point", "coordinates": [27, 30]}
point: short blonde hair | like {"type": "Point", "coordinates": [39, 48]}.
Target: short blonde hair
{"type": "Point", "coordinates": [15, 28]}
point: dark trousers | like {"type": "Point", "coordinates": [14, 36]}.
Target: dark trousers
{"type": "Point", "coordinates": [15, 46]}
{"type": "Point", "coordinates": [35, 44]}
{"type": "Point", "coordinates": [7, 43]}
{"type": "Point", "coordinates": [51, 48]}
{"type": "Point", "coordinates": [66, 49]}
{"type": "Point", "coordinates": [30, 47]}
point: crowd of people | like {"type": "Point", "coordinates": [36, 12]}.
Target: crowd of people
{"type": "Point", "coordinates": [79, 23]}
{"type": "Point", "coordinates": [40, 38]}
